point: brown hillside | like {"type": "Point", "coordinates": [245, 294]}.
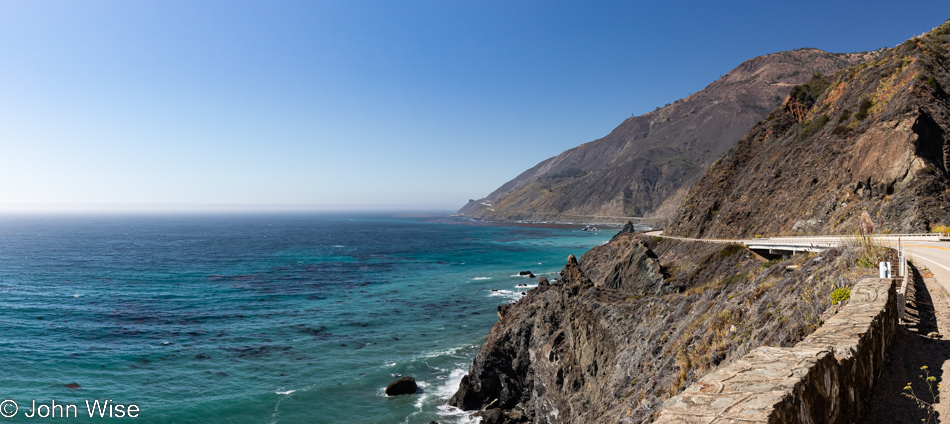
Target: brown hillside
{"type": "Point", "coordinates": [646, 159]}
{"type": "Point", "coordinates": [872, 137]}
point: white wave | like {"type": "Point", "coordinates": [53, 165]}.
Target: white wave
{"type": "Point", "coordinates": [443, 392]}
{"type": "Point", "coordinates": [461, 416]}
{"type": "Point", "coordinates": [286, 392]}
{"type": "Point", "coordinates": [513, 295]}
{"type": "Point", "coordinates": [451, 384]}
{"type": "Point", "coordinates": [481, 278]}
{"type": "Point", "coordinates": [420, 400]}
{"type": "Point", "coordinates": [441, 352]}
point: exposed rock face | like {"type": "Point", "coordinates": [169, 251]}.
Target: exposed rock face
{"type": "Point", "coordinates": [869, 138]}
{"type": "Point", "coordinates": [634, 321]}
{"type": "Point", "coordinates": [402, 386]}
{"type": "Point", "coordinates": [649, 158]}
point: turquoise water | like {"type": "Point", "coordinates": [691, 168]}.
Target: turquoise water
{"type": "Point", "coordinates": [255, 318]}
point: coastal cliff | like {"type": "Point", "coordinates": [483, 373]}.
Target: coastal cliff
{"type": "Point", "coordinates": [871, 138]}
{"type": "Point", "coordinates": [633, 321]}
{"type": "Point", "coordinates": [642, 167]}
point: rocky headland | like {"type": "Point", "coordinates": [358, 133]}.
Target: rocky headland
{"type": "Point", "coordinates": [633, 321]}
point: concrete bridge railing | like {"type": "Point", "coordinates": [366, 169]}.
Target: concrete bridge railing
{"type": "Point", "coordinates": [786, 245]}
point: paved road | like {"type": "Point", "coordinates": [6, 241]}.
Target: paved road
{"type": "Point", "coordinates": [933, 255]}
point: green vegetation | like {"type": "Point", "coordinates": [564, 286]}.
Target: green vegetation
{"type": "Point", "coordinates": [927, 406]}
{"type": "Point", "coordinates": [738, 278]}
{"type": "Point", "coordinates": [866, 262]}
{"type": "Point", "coordinates": [932, 82]}
{"type": "Point", "coordinates": [929, 80]}
{"type": "Point", "coordinates": [863, 109]}
{"type": "Point", "coordinates": [730, 250]}
{"type": "Point", "coordinates": [940, 228]}
{"type": "Point", "coordinates": [845, 115]}
{"type": "Point", "coordinates": [841, 130]}
{"type": "Point", "coordinates": [840, 295]}
{"type": "Point", "coordinates": [811, 127]}
{"type": "Point", "coordinates": [809, 92]}
{"type": "Point", "coordinates": [772, 262]}
{"type": "Point", "coordinates": [569, 173]}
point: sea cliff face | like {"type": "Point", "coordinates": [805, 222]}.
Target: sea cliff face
{"type": "Point", "coordinates": [635, 320]}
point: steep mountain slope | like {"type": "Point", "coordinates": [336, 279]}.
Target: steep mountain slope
{"type": "Point", "coordinates": [646, 159]}
{"type": "Point", "coordinates": [870, 138]}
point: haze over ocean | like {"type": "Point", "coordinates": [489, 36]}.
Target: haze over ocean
{"type": "Point", "coordinates": [281, 318]}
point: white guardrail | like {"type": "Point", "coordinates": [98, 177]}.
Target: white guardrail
{"type": "Point", "coordinates": [846, 239]}
{"type": "Point", "coordinates": [818, 243]}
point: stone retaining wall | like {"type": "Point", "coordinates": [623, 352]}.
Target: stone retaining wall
{"type": "Point", "coordinates": [823, 379]}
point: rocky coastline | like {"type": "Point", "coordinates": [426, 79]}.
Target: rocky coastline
{"type": "Point", "coordinates": [634, 321]}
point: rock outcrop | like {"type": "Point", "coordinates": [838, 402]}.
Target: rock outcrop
{"type": "Point", "coordinates": [634, 321]}
{"type": "Point", "coordinates": [869, 138]}
{"type": "Point", "coordinates": [649, 159]}
{"type": "Point", "coordinates": [402, 386]}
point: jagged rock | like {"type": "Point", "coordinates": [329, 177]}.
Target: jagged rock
{"type": "Point", "coordinates": [605, 345]}
{"type": "Point", "coordinates": [628, 228]}
{"type": "Point", "coordinates": [809, 226]}
{"type": "Point", "coordinates": [627, 265]}
{"type": "Point", "coordinates": [402, 386]}
{"type": "Point", "coordinates": [526, 274]}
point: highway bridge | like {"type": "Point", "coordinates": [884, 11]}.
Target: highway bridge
{"type": "Point", "coordinates": [781, 246]}
{"type": "Point", "coordinates": [931, 250]}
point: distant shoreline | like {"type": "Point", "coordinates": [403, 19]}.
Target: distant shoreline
{"type": "Point", "coordinates": [464, 220]}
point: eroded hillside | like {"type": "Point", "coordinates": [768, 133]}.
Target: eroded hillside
{"type": "Point", "coordinates": [869, 138]}
{"type": "Point", "coordinates": [648, 159]}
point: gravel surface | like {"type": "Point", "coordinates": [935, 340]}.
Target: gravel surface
{"type": "Point", "coordinates": [919, 342]}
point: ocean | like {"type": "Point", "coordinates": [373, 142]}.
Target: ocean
{"type": "Point", "coordinates": [244, 318]}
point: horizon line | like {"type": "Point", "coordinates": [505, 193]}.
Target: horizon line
{"type": "Point", "coordinates": [214, 208]}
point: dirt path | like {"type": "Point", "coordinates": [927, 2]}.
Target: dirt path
{"type": "Point", "coordinates": [919, 342]}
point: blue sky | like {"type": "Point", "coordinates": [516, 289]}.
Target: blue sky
{"type": "Point", "coordinates": [359, 104]}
